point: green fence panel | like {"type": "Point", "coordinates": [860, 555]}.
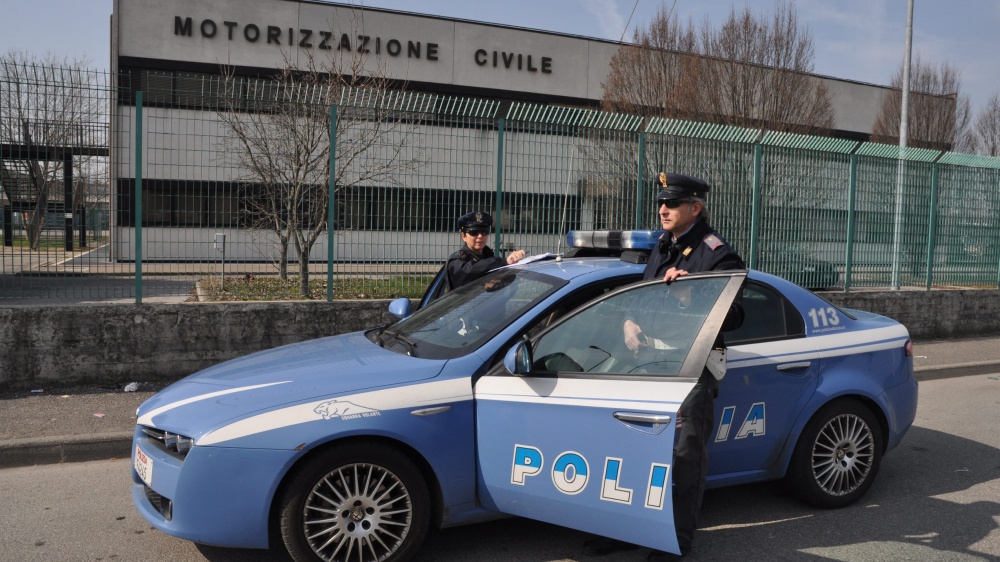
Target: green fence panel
{"type": "Point", "coordinates": [564, 169]}
{"type": "Point", "coordinates": [55, 207]}
{"type": "Point", "coordinates": [260, 183]}
{"type": "Point", "coordinates": [804, 215]}
{"type": "Point", "coordinates": [968, 226]}
{"type": "Point", "coordinates": [873, 241]}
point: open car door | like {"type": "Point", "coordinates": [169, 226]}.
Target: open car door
{"type": "Point", "coordinates": [437, 288]}
{"type": "Point", "coordinates": [576, 429]}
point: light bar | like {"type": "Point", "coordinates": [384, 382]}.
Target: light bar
{"type": "Point", "coordinates": [614, 239]}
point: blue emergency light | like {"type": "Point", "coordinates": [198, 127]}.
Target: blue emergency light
{"type": "Point", "coordinates": [614, 239]}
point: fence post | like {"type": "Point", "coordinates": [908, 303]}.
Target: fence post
{"type": "Point", "coordinates": [68, 209]}
{"type": "Point", "coordinates": [138, 198]}
{"type": "Point", "coordinates": [758, 158]}
{"type": "Point", "coordinates": [852, 192]}
{"type": "Point", "coordinates": [331, 210]}
{"type": "Point", "coordinates": [498, 206]}
{"type": "Point", "coordinates": [641, 174]}
{"type": "Point", "coordinates": [998, 273]}
{"type": "Point", "coordinates": [932, 225]}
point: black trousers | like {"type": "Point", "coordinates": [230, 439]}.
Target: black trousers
{"type": "Point", "coordinates": [691, 456]}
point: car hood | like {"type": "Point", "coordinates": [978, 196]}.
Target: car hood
{"type": "Point", "coordinates": [265, 380]}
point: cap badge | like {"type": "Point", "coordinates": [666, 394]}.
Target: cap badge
{"type": "Point", "coordinates": [663, 179]}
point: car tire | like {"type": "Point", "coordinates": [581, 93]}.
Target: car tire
{"type": "Point", "coordinates": [837, 456]}
{"type": "Point", "coordinates": [361, 502]}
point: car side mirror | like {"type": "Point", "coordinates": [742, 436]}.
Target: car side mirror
{"type": "Point", "coordinates": [518, 359]}
{"type": "Point", "coordinates": [401, 308]}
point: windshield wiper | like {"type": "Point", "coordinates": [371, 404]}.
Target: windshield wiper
{"type": "Point", "coordinates": [375, 334]}
{"type": "Point", "coordinates": [410, 344]}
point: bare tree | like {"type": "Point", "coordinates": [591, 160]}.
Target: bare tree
{"type": "Point", "coordinates": [48, 106]}
{"type": "Point", "coordinates": [279, 138]}
{"type": "Point", "coordinates": [939, 114]}
{"type": "Point", "coordinates": [752, 72]}
{"type": "Point", "coordinates": [656, 73]}
{"type": "Point", "coordinates": [987, 128]}
{"type": "Point", "coordinates": [756, 72]}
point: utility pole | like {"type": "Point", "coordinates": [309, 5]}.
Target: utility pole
{"type": "Point", "coordinates": [897, 237]}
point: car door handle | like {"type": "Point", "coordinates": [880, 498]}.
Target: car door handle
{"type": "Point", "coordinates": [794, 366]}
{"type": "Point", "coordinates": [640, 417]}
{"type": "Point", "coordinates": [431, 411]}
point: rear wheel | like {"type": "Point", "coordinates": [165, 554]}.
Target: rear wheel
{"type": "Point", "coordinates": [355, 503]}
{"type": "Point", "coordinates": [837, 456]}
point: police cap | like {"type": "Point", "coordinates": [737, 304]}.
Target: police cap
{"type": "Point", "coordinates": [476, 220]}
{"type": "Point", "coordinates": [679, 186]}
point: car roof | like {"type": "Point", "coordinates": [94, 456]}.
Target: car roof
{"type": "Point", "coordinates": [570, 268]}
{"type": "Point", "coordinates": [604, 267]}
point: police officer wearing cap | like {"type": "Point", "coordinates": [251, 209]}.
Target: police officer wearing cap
{"type": "Point", "coordinates": [690, 245]}
{"type": "Point", "coordinates": [474, 258]}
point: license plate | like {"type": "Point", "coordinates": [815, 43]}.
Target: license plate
{"type": "Point", "coordinates": [143, 466]}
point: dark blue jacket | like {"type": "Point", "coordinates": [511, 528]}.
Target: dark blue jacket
{"type": "Point", "coordinates": [464, 266]}
{"type": "Point", "coordinates": [699, 249]}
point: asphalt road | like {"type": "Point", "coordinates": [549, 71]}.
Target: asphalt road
{"type": "Point", "coordinates": [936, 498]}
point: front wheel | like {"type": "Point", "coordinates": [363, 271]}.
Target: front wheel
{"type": "Point", "coordinates": [837, 456]}
{"type": "Point", "coordinates": [355, 503]}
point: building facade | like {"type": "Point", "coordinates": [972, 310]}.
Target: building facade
{"type": "Point", "coordinates": [168, 50]}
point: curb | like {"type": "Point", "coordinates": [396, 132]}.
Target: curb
{"type": "Point", "coordinates": [955, 370]}
{"type": "Point", "coordinates": [118, 445]}
{"type": "Point", "coordinates": [62, 449]}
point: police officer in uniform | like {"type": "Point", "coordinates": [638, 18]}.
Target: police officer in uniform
{"type": "Point", "coordinates": [474, 258]}
{"type": "Point", "coordinates": [690, 245]}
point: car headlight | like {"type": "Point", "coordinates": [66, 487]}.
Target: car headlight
{"type": "Point", "coordinates": [179, 443]}
{"type": "Point", "coordinates": [173, 442]}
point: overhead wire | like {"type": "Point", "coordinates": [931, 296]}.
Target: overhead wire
{"type": "Point", "coordinates": [620, 39]}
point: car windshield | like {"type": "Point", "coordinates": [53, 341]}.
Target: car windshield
{"type": "Point", "coordinates": [465, 318]}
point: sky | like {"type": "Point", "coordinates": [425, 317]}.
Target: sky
{"type": "Point", "coordinates": [861, 40]}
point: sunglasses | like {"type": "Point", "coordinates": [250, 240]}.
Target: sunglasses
{"type": "Point", "coordinates": [474, 232]}
{"type": "Point", "coordinates": [670, 203]}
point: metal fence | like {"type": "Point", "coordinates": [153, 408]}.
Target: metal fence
{"type": "Point", "coordinates": [183, 185]}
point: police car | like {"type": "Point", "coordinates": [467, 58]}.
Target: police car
{"type": "Point", "coordinates": [515, 395]}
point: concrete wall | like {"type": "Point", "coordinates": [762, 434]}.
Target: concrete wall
{"type": "Point", "coordinates": [112, 345]}
{"type": "Point", "coordinates": [930, 315]}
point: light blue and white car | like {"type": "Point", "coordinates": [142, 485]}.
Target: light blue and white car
{"type": "Point", "coordinates": [515, 395]}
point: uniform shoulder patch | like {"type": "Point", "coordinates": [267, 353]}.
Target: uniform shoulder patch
{"type": "Point", "coordinates": [712, 241]}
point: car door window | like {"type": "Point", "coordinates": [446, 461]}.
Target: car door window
{"type": "Point", "coordinates": [592, 341]}
{"type": "Point", "coordinates": [767, 316]}
{"type": "Point", "coordinates": [437, 288]}
{"type": "Point", "coordinates": [578, 298]}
